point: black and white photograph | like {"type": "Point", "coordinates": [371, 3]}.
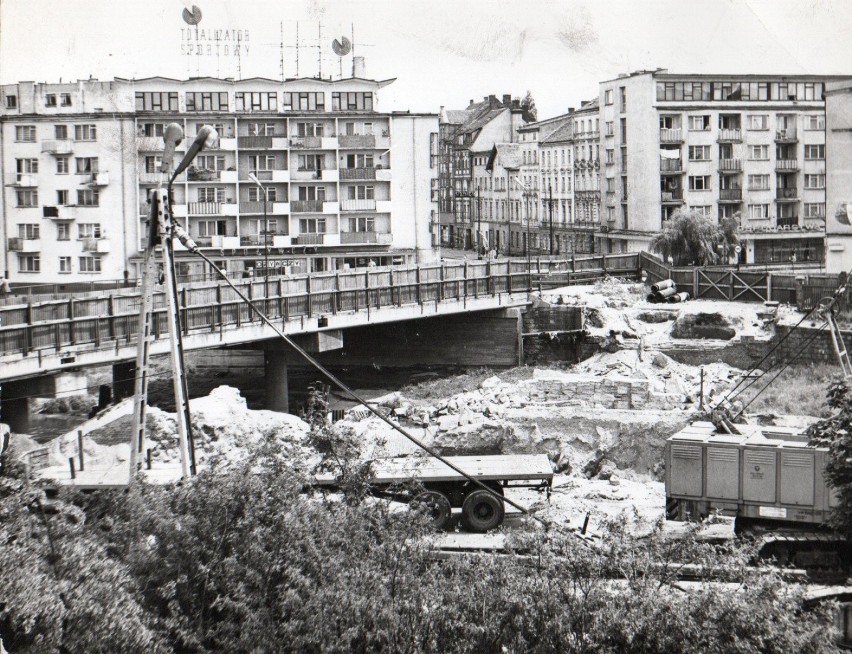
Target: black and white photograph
{"type": "Point", "coordinates": [425, 326]}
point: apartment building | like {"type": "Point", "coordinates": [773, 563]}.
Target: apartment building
{"type": "Point", "coordinates": [838, 152]}
{"type": "Point", "coordinates": [587, 175]}
{"type": "Point", "coordinates": [751, 147]}
{"type": "Point", "coordinates": [338, 183]}
{"type": "Point", "coordinates": [467, 137]}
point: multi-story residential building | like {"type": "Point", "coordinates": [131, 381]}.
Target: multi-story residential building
{"type": "Point", "coordinates": [339, 184]}
{"type": "Point", "coordinates": [556, 174]}
{"type": "Point", "coordinates": [466, 140]}
{"type": "Point", "coordinates": [587, 175]}
{"type": "Point", "coordinates": [838, 190]}
{"type": "Point", "coordinates": [505, 202]}
{"type": "Point", "coordinates": [750, 147]}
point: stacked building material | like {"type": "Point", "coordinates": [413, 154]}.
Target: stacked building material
{"type": "Point", "coordinates": [666, 291]}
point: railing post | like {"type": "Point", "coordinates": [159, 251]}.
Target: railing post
{"type": "Point", "coordinates": [72, 336]}
{"type": "Point", "coordinates": [509, 275]}
{"type": "Point", "coordinates": [441, 284]}
{"type": "Point", "coordinates": [603, 264]}
{"type": "Point", "coordinates": [184, 311]}
{"type": "Point", "coordinates": [309, 298]}
{"type": "Point", "coordinates": [111, 314]}
{"type": "Point", "coordinates": [418, 290]}
{"type": "Point", "coordinates": [464, 300]}
{"type": "Point", "coordinates": [217, 310]}
{"type": "Point", "coordinates": [80, 449]}
{"type": "Point", "coordinates": [335, 298]}
{"type": "Point", "coordinates": [489, 283]}
{"type": "Point", "coordinates": [280, 297]}
{"type": "Point", "coordinates": [695, 287]}
{"type": "Point", "coordinates": [768, 286]}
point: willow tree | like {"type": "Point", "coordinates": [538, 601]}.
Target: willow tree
{"type": "Point", "coordinates": [690, 238]}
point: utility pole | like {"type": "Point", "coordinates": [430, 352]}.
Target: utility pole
{"type": "Point", "coordinates": [478, 224]}
{"type": "Point", "coordinates": [550, 208]}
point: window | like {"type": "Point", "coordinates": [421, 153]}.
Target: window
{"type": "Point", "coordinates": [156, 101]}
{"type": "Point", "coordinates": [361, 224]}
{"type": "Point", "coordinates": [26, 167]}
{"type": "Point", "coordinates": [206, 101]}
{"type": "Point", "coordinates": [304, 101]}
{"type": "Point", "coordinates": [90, 264]}
{"type": "Point", "coordinates": [210, 162]}
{"type": "Point", "coordinates": [65, 99]}
{"type": "Point", "coordinates": [610, 156]}
{"type": "Point", "coordinates": [360, 192]}
{"type": "Point", "coordinates": [25, 133]}
{"type": "Point", "coordinates": [758, 211]}
{"type": "Point", "coordinates": [705, 210]}
{"type": "Point", "coordinates": [151, 129]}
{"type": "Point", "coordinates": [309, 129]}
{"type": "Point", "coordinates": [256, 101]}
{"type": "Point", "coordinates": [758, 152]}
{"type": "Point", "coordinates": [610, 184]}
{"type": "Point", "coordinates": [622, 92]}
{"type": "Point", "coordinates": [814, 210]}
{"type": "Point", "coordinates": [624, 130]}
{"type": "Point", "coordinates": [29, 231]}
{"type": "Point", "coordinates": [11, 101]}
{"type": "Point", "coordinates": [63, 232]}
{"type": "Point", "coordinates": [608, 96]}
{"type": "Point", "coordinates": [211, 194]}
{"type": "Point", "coordinates": [312, 226]}
{"type": "Point", "coordinates": [699, 123]}
{"type": "Point", "coordinates": [27, 197]}
{"type": "Point", "coordinates": [699, 182]}
{"type": "Point", "coordinates": [86, 165]}
{"type": "Point", "coordinates": [758, 182]}
{"type": "Point", "coordinates": [699, 153]}
{"type": "Point", "coordinates": [50, 100]}
{"type": "Point", "coordinates": [351, 101]}
{"type": "Point", "coordinates": [758, 122]}
{"type": "Point", "coordinates": [610, 129]}
{"type": "Point", "coordinates": [669, 122]}
{"type": "Point", "coordinates": [62, 197]}
{"type": "Point", "coordinates": [153, 163]}
{"type": "Point", "coordinates": [60, 132]}
{"type": "Point", "coordinates": [64, 264]}
{"type": "Point", "coordinates": [212, 228]}
{"type": "Point", "coordinates": [815, 181]}
{"type": "Point", "coordinates": [310, 162]}
{"type": "Point", "coordinates": [260, 129]}
{"type": "Point", "coordinates": [29, 263]}
{"type": "Point", "coordinates": [89, 230]}
{"type": "Point", "coordinates": [815, 122]}
{"type": "Point", "coordinates": [814, 152]}
{"type": "Point", "coordinates": [88, 198]}
{"type": "Point", "coordinates": [85, 132]}
{"type": "Point", "coordinates": [255, 194]}
{"type": "Point", "coordinates": [263, 162]}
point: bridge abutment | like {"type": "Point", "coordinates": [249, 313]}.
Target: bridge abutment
{"type": "Point", "coordinates": [275, 377]}
{"type": "Point", "coordinates": [15, 407]}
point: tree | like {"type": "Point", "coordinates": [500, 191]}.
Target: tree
{"type": "Point", "coordinates": [690, 238]}
{"type": "Point", "coordinates": [835, 433]}
{"type": "Point", "coordinates": [530, 113]}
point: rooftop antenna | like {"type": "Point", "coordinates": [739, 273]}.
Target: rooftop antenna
{"type": "Point", "coordinates": [319, 50]}
{"type": "Point", "coordinates": [341, 49]}
{"type": "Point", "coordinates": [281, 28]}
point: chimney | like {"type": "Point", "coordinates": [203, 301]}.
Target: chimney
{"type": "Point", "coordinates": [570, 110]}
{"type": "Point", "coordinates": [507, 99]}
{"type": "Point", "coordinates": [359, 67]}
{"type": "Point", "coordinates": [516, 103]}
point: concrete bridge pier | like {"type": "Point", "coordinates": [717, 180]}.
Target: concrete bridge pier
{"type": "Point", "coordinates": [275, 387]}
{"type": "Point", "coordinates": [123, 380]}
{"type": "Point", "coordinates": [15, 407]}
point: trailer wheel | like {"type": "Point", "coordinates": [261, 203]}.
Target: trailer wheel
{"type": "Point", "coordinates": [435, 505]}
{"type": "Point", "coordinates": [482, 511]}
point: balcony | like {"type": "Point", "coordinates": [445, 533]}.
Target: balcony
{"type": "Point", "coordinates": [270, 239]}
{"type": "Point", "coordinates": [306, 175]}
{"type": "Point", "coordinates": [254, 142]}
{"type": "Point", "coordinates": [227, 143]}
{"type": "Point", "coordinates": [730, 135]}
{"type": "Point", "coordinates": [26, 245]}
{"type": "Point", "coordinates": [97, 245]}
{"type": "Point", "coordinates": [306, 206]}
{"type": "Point", "coordinates": [58, 146]}
{"type": "Point", "coordinates": [671, 166]}
{"type": "Point", "coordinates": [100, 178]}
{"type": "Point", "coordinates": [675, 196]}
{"type": "Point", "coordinates": [362, 238]}
{"type": "Point", "coordinates": [23, 180]}
{"type": "Point", "coordinates": [255, 206]}
{"type": "Point", "coordinates": [357, 173]}
{"type": "Point", "coordinates": [151, 178]}
{"type": "Point", "coordinates": [730, 195]}
{"type": "Point", "coordinates": [786, 135]}
{"type": "Point", "coordinates": [309, 239]}
{"type": "Point", "coordinates": [787, 164]}
{"type": "Point", "coordinates": [731, 165]}
{"type": "Point", "coordinates": [155, 143]}
{"type": "Point", "coordinates": [357, 140]}
{"type": "Point", "coordinates": [786, 194]}
{"type": "Point", "coordinates": [60, 213]}
{"type": "Point", "coordinates": [314, 142]}
{"type": "Point", "coordinates": [202, 175]}
{"type": "Point", "coordinates": [787, 222]}
{"type": "Point", "coordinates": [671, 136]}
{"type": "Point", "coordinates": [205, 208]}
{"type": "Point", "coordinates": [357, 205]}
{"type": "Point", "coordinates": [225, 242]}
{"type": "Point", "coordinates": [383, 174]}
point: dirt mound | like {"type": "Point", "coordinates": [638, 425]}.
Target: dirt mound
{"type": "Point", "coordinates": [703, 325]}
{"type": "Point", "coordinates": [655, 317]}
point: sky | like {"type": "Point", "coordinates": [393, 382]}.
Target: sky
{"type": "Point", "coordinates": [441, 52]}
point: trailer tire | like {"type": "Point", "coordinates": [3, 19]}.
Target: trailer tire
{"type": "Point", "coordinates": [435, 505]}
{"type": "Point", "coordinates": [482, 511]}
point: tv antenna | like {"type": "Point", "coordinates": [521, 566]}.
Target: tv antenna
{"type": "Point", "coordinates": [341, 48]}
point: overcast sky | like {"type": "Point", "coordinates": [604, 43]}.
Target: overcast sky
{"type": "Point", "coordinates": [442, 52]}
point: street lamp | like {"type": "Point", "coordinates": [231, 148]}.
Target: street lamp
{"type": "Point", "coordinates": [527, 194]}
{"type": "Point", "coordinates": [253, 177]}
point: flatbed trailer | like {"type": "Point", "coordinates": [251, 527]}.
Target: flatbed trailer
{"type": "Point", "coordinates": [441, 489]}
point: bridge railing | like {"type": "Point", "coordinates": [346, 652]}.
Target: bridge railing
{"type": "Point", "coordinates": [112, 320]}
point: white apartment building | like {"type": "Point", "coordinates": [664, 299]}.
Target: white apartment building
{"type": "Point", "coordinates": [745, 146]}
{"type": "Point", "coordinates": [340, 183]}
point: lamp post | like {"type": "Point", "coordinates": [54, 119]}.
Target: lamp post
{"type": "Point", "coordinates": [253, 177]}
{"type": "Point", "coordinates": [550, 210]}
{"type": "Point", "coordinates": [527, 194]}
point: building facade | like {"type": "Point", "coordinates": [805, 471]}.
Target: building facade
{"type": "Point", "coordinates": [742, 146]}
{"type": "Point", "coordinates": [338, 183]}
{"type": "Point", "coordinates": [838, 153]}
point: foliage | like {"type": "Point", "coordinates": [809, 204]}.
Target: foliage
{"type": "Point", "coordinates": [530, 113]}
{"type": "Point", "coordinates": [835, 433]}
{"type": "Point", "coordinates": [251, 559]}
{"type": "Point", "coordinates": [690, 238]}
{"type": "Point", "coordinates": [798, 390]}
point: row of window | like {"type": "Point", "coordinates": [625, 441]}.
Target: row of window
{"type": "Point", "coordinates": [86, 264]}
{"type": "Point", "coordinates": [734, 91]}
{"type": "Point", "coordinates": [305, 193]}
{"type": "Point", "coordinates": [82, 165]}
{"type": "Point", "coordinates": [27, 133]}
{"type": "Point", "coordinates": [32, 231]}
{"type": "Point", "coordinates": [28, 197]}
{"type": "Point", "coordinates": [755, 183]}
{"type": "Point", "coordinates": [219, 227]}
{"type": "Point", "coordinates": [813, 152]}
{"type": "Point", "coordinates": [254, 101]}
{"type": "Point", "coordinates": [754, 122]}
